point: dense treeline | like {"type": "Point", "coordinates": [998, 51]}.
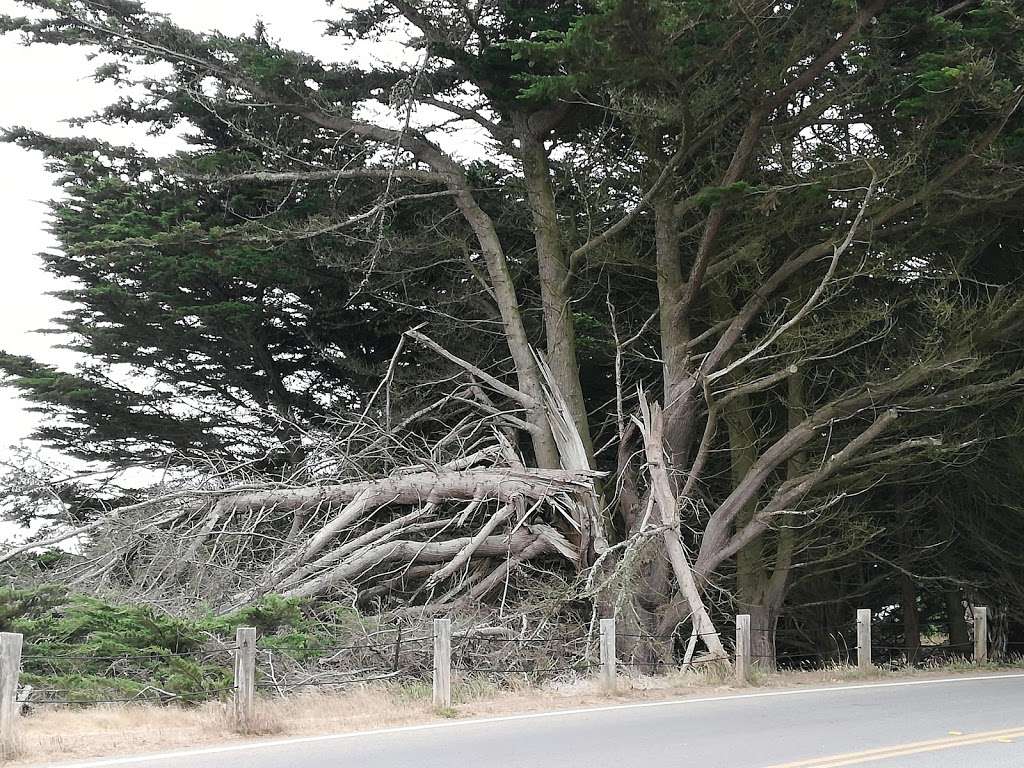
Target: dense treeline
{"type": "Point", "coordinates": [797, 226]}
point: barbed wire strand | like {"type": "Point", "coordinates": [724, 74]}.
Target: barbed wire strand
{"type": "Point", "coordinates": [125, 656]}
{"type": "Point", "coordinates": [337, 648]}
{"type": "Point", "coordinates": [169, 697]}
{"type": "Point", "coordinates": [324, 684]}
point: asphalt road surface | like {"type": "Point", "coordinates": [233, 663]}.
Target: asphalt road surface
{"type": "Point", "coordinates": [967, 721]}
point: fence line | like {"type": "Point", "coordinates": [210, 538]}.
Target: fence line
{"type": "Point", "coordinates": [137, 699]}
{"type": "Point", "coordinates": [323, 683]}
{"type": "Point", "coordinates": [245, 650]}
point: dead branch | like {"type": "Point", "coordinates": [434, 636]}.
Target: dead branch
{"type": "Point", "coordinates": [652, 428]}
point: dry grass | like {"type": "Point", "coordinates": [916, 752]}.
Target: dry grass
{"type": "Point", "coordinates": [11, 749]}
{"type": "Point", "coordinates": [69, 734]}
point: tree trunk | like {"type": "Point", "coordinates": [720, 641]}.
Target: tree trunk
{"type": "Point", "coordinates": [956, 621]}
{"type": "Point", "coordinates": [661, 490]}
{"type": "Point", "coordinates": [911, 619]}
{"type": "Point", "coordinates": [642, 644]}
{"type": "Point", "coordinates": [752, 574]}
{"type": "Point", "coordinates": [559, 326]}
{"type": "Point", "coordinates": [764, 619]}
{"type": "Point", "coordinates": [761, 587]}
{"type": "Point", "coordinates": [527, 371]}
{"type": "Point", "coordinates": [677, 377]}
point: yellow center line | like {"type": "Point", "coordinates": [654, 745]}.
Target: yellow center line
{"type": "Point", "coordinates": [902, 750]}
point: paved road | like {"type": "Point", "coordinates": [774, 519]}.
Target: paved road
{"type": "Point", "coordinates": [976, 721]}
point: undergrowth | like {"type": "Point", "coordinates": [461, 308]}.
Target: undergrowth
{"type": "Point", "coordinates": [80, 648]}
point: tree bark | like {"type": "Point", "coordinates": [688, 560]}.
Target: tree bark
{"type": "Point", "coordinates": [528, 376]}
{"type": "Point", "coordinates": [559, 326]}
{"type": "Point", "coordinates": [661, 489]}
{"type": "Point", "coordinates": [911, 618]}
{"type": "Point", "coordinates": [752, 574]}
{"type": "Point", "coordinates": [678, 381]}
{"type": "Point", "coordinates": [956, 621]}
{"type": "Point", "coordinates": [453, 175]}
{"type": "Point", "coordinates": [519, 543]}
{"type": "Point", "coordinates": [359, 498]}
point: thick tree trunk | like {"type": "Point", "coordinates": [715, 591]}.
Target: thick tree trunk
{"type": "Point", "coordinates": [503, 290]}
{"type": "Point", "coordinates": [527, 372]}
{"type": "Point", "coordinates": [761, 586]}
{"type": "Point", "coordinates": [752, 575]}
{"type": "Point", "coordinates": [497, 483]}
{"type": "Point", "coordinates": [656, 603]}
{"type": "Point", "coordinates": [764, 619]}
{"type": "Point", "coordinates": [559, 326]}
{"type": "Point", "coordinates": [677, 376]}
{"type": "Point", "coordinates": [642, 643]}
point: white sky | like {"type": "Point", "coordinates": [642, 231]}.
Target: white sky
{"type": "Point", "coordinates": [44, 85]}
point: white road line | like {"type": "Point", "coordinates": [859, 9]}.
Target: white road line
{"type": "Point", "coordinates": [247, 746]}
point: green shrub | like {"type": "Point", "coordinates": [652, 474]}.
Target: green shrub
{"type": "Point", "coordinates": [80, 648]}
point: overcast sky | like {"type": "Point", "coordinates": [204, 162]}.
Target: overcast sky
{"type": "Point", "coordinates": [44, 85]}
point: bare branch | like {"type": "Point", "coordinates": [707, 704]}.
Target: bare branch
{"type": "Point", "coordinates": [479, 373]}
{"type": "Point", "coordinates": [811, 302]}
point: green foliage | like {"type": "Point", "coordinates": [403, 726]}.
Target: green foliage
{"type": "Point", "coordinates": [91, 650]}
{"type": "Point", "coordinates": [17, 605]}
{"type": "Point", "coordinates": [267, 616]}
{"type": "Point", "coordinates": [728, 195]}
{"type": "Point", "coordinates": [175, 282]}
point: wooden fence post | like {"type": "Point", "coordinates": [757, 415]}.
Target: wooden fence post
{"type": "Point", "coordinates": [608, 654]}
{"type": "Point", "coordinates": [442, 662]}
{"type": "Point", "coordinates": [245, 678]}
{"type": "Point", "coordinates": [743, 649]}
{"type": "Point", "coordinates": [864, 639]}
{"type": "Point", "coordinates": [10, 667]}
{"type": "Point", "coordinates": [980, 635]}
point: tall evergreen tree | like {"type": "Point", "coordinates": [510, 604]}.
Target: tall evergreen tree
{"type": "Point", "coordinates": [219, 323]}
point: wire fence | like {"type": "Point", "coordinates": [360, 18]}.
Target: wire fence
{"type": "Point", "coordinates": [282, 687]}
{"type": "Point", "coordinates": [195, 675]}
{"type": "Point", "coordinates": [164, 697]}
{"type": "Point", "coordinates": [572, 655]}
{"type": "Point", "coordinates": [341, 648]}
{"type": "Point", "coordinates": [156, 655]}
{"type": "Point", "coordinates": [235, 674]}
{"type": "Point", "coordinates": [283, 666]}
{"type": "Point", "coordinates": [395, 650]}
